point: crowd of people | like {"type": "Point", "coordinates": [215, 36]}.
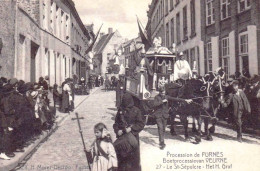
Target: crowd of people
{"type": "Point", "coordinates": [29, 108]}
{"type": "Point", "coordinates": [24, 113]}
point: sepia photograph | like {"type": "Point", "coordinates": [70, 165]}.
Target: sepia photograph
{"type": "Point", "coordinates": [129, 85]}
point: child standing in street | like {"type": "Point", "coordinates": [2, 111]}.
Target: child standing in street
{"type": "Point", "coordinates": [103, 152]}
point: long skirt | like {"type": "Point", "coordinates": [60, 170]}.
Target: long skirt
{"type": "Point", "coordinates": [65, 102]}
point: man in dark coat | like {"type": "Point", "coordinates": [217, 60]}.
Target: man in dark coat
{"type": "Point", "coordinates": [161, 112]}
{"type": "Point", "coordinates": [133, 120]}
{"type": "Point", "coordinates": [241, 106]}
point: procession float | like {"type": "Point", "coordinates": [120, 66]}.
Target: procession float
{"type": "Point", "coordinates": [155, 70]}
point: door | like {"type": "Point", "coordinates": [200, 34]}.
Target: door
{"type": "Point", "coordinates": [34, 51]}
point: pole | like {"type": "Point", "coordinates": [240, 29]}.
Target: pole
{"type": "Point", "coordinates": [83, 142]}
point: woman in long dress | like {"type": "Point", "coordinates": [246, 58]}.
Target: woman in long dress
{"type": "Point", "coordinates": [66, 97]}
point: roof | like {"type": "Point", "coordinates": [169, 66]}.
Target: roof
{"type": "Point", "coordinates": [101, 44]}
{"type": "Point", "coordinates": [129, 42]}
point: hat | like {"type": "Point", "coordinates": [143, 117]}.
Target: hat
{"type": "Point", "coordinates": [4, 80]}
{"type": "Point", "coordinates": [181, 54]}
{"type": "Point", "coordinates": [22, 88]}
{"type": "Point", "coordinates": [13, 81]}
{"type": "Point", "coordinates": [41, 79]}
{"type": "Point", "coordinates": [34, 94]}
{"type": "Point", "coordinates": [8, 88]}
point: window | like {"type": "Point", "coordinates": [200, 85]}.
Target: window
{"type": "Point", "coordinates": [166, 7]}
{"type": "Point", "coordinates": [178, 33]}
{"type": "Point", "coordinates": [193, 20]}
{"type": "Point", "coordinates": [225, 55]}
{"type": "Point", "coordinates": [226, 67]}
{"type": "Point", "coordinates": [167, 35]}
{"type": "Point", "coordinates": [225, 47]}
{"type": "Point", "coordinates": [243, 43]}
{"type": "Point", "coordinates": [192, 57]}
{"type": "Point", "coordinates": [243, 5]}
{"type": "Point", "coordinates": [210, 13]}
{"type": "Point", "coordinates": [186, 54]}
{"type": "Point", "coordinates": [209, 56]}
{"type": "Point", "coordinates": [162, 10]}
{"type": "Point", "coordinates": [171, 4]}
{"type": "Point", "coordinates": [185, 24]}
{"type": "Point", "coordinates": [172, 30]}
{"type": "Point", "coordinates": [225, 9]}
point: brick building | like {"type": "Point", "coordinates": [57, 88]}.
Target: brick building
{"type": "Point", "coordinates": [178, 22]}
{"type": "Point", "coordinates": [231, 34]}
{"type": "Point", "coordinates": [213, 33]}
{"type": "Point", "coordinates": [42, 38]}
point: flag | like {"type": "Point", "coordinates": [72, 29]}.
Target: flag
{"type": "Point", "coordinates": [143, 36]}
{"type": "Point", "coordinates": [94, 41]}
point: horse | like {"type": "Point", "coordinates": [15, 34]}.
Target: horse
{"type": "Point", "coordinates": [202, 107]}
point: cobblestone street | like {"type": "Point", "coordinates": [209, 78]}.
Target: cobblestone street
{"type": "Point", "coordinates": [64, 151]}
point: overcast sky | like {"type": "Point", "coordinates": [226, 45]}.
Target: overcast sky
{"type": "Point", "coordinates": [118, 14]}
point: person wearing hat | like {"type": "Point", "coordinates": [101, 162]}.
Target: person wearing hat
{"type": "Point", "coordinates": [182, 69]}
{"type": "Point", "coordinates": [241, 106]}
{"type": "Point", "coordinates": [161, 112]}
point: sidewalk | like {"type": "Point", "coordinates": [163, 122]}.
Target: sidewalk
{"type": "Point", "coordinates": [6, 165]}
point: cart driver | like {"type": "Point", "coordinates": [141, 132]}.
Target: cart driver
{"type": "Point", "coordinates": [182, 69]}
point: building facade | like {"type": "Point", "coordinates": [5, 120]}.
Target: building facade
{"type": "Point", "coordinates": [231, 34]}
{"type": "Point", "coordinates": [105, 49]}
{"type": "Point", "coordinates": [130, 51]}
{"type": "Point", "coordinates": [214, 33]}
{"type": "Point", "coordinates": [178, 22]}
{"type": "Point", "coordinates": [42, 38]}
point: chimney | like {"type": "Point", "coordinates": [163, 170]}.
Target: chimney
{"type": "Point", "coordinates": [102, 34]}
{"type": "Point", "coordinates": [110, 30]}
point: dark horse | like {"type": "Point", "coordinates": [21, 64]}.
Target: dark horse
{"type": "Point", "coordinates": [203, 106]}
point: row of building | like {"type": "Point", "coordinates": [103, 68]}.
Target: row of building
{"type": "Point", "coordinates": [43, 38]}
{"type": "Point", "coordinates": [213, 33]}
{"type": "Point", "coordinates": [108, 50]}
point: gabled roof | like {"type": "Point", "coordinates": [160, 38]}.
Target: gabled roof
{"type": "Point", "coordinates": [101, 44]}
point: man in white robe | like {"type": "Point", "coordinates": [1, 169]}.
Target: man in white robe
{"type": "Point", "coordinates": [182, 69]}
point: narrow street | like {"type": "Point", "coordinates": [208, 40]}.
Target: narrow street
{"type": "Point", "coordinates": [64, 151]}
